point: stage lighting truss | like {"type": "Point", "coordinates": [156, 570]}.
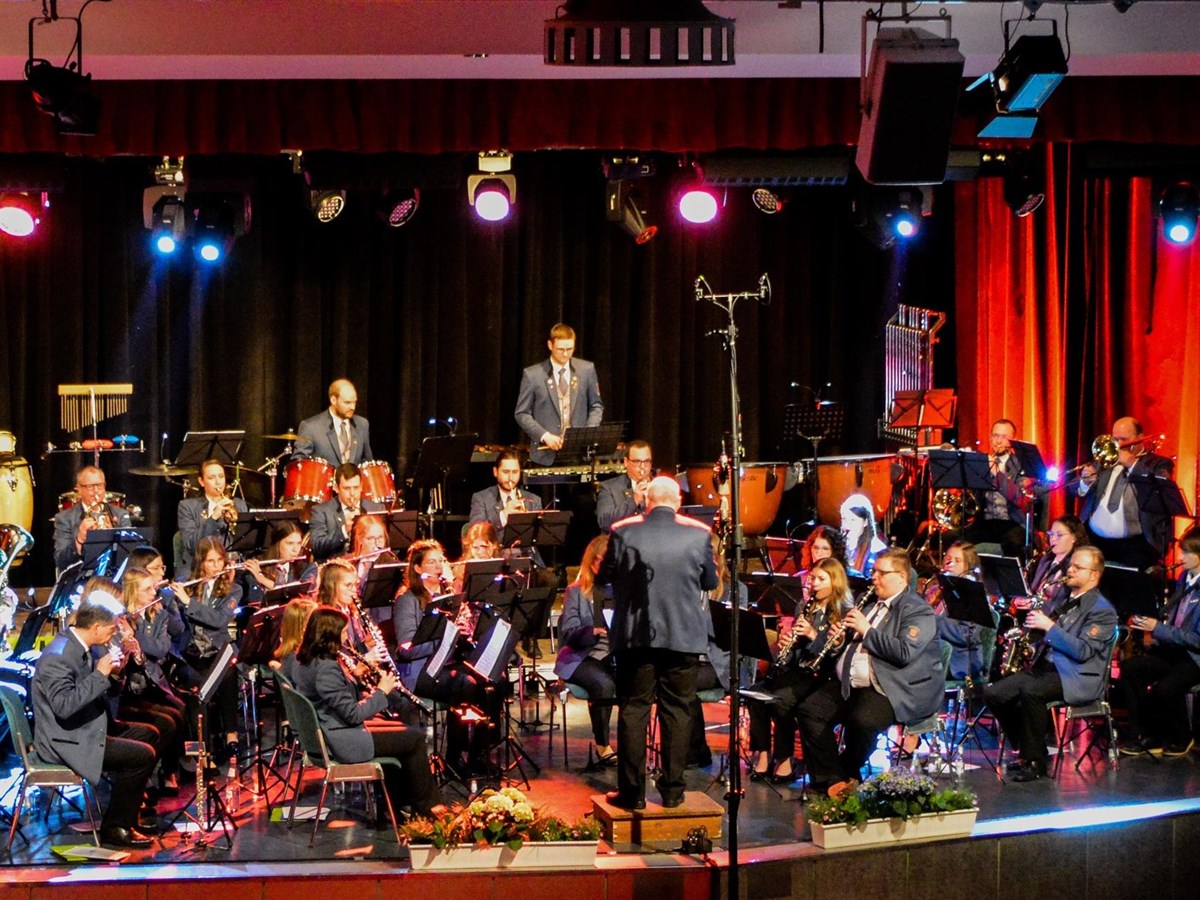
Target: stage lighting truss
{"type": "Point", "coordinates": [637, 34]}
{"type": "Point", "coordinates": [1178, 208]}
{"type": "Point", "coordinates": [21, 212]}
{"type": "Point", "coordinates": [493, 189]}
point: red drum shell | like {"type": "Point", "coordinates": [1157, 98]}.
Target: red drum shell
{"type": "Point", "coordinates": [307, 481]}
{"type": "Point", "coordinates": [378, 484]}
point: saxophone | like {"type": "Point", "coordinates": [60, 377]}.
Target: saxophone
{"type": "Point", "coordinates": [1019, 650]}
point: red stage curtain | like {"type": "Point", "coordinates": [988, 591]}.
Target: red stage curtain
{"type": "Point", "coordinates": [1075, 316]}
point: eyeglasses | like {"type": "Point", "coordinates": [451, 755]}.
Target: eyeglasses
{"type": "Point", "coordinates": [882, 572]}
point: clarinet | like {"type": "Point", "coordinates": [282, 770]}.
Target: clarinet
{"type": "Point", "coordinates": [836, 638]}
{"type": "Point", "coordinates": [351, 658]}
{"type": "Point", "coordinates": [375, 639]}
{"type": "Point", "coordinates": [789, 640]}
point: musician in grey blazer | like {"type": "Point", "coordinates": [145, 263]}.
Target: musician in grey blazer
{"type": "Point", "coordinates": [547, 387]}
{"type": "Point", "coordinates": [1069, 664]}
{"type": "Point", "coordinates": [71, 724]}
{"type": "Point", "coordinates": [322, 436]}
{"type": "Point", "coordinates": [331, 522]}
{"type": "Point", "coordinates": [659, 566]}
{"type": "Point", "coordinates": [624, 496]}
{"type": "Point", "coordinates": [208, 515]}
{"type": "Point", "coordinates": [92, 511]}
{"type": "Point", "coordinates": [493, 504]}
{"type": "Point", "coordinates": [344, 709]}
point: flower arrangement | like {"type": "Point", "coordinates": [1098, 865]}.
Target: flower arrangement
{"type": "Point", "coordinates": [497, 817]}
{"type": "Point", "coordinates": [895, 794]}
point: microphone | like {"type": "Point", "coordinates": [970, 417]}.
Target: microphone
{"type": "Point", "coordinates": [764, 289]}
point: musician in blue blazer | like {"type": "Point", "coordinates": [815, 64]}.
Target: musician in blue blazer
{"type": "Point", "coordinates": [344, 711]}
{"type": "Point", "coordinates": [211, 514]}
{"type": "Point", "coordinates": [493, 504]}
{"type": "Point", "coordinates": [70, 718]}
{"type": "Point", "coordinates": [624, 496]}
{"type": "Point", "coordinates": [92, 511]}
{"type": "Point", "coordinates": [1154, 685]}
{"type": "Point", "coordinates": [547, 387]}
{"type": "Point", "coordinates": [659, 566]}
{"type": "Point", "coordinates": [1069, 664]}
{"type": "Point", "coordinates": [336, 435]}
{"type": "Point", "coordinates": [330, 524]}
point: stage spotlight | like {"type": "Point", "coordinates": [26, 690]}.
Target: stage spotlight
{"type": "Point", "coordinates": [1026, 76]}
{"type": "Point", "coordinates": [698, 205]}
{"type": "Point", "coordinates": [213, 233]}
{"type": "Point", "coordinates": [1178, 208]}
{"type": "Point", "coordinates": [886, 215]}
{"type": "Point", "coordinates": [20, 213]}
{"type": "Point", "coordinates": [168, 225]}
{"type": "Point", "coordinates": [622, 207]}
{"type": "Point", "coordinates": [493, 189]}
{"type": "Point", "coordinates": [1024, 183]}
{"type": "Point", "coordinates": [399, 205]}
{"type": "Point", "coordinates": [63, 94]}
{"type": "Point", "coordinates": [327, 205]}
{"type": "Point", "coordinates": [766, 201]}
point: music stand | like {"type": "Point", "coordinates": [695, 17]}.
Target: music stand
{"type": "Point", "coordinates": [966, 470]}
{"type": "Point", "coordinates": [105, 550]}
{"type": "Point", "coordinates": [701, 513]}
{"type": "Point", "coordinates": [495, 642]}
{"type": "Point", "coordinates": [261, 636]}
{"type": "Point", "coordinates": [589, 443]}
{"type": "Point", "coordinates": [1131, 591]}
{"type": "Point", "coordinates": [223, 446]}
{"type": "Point", "coordinates": [814, 423]}
{"type": "Point", "coordinates": [1029, 458]}
{"type": "Point", "coordinates": [545, 528]}
{"type": "Point", "coordinates": [773, 595]}
{"type": "Point", "coordinates": [752, 631]}
{"type": "Point", "coordinates": [527, 610]}
{"type": "Point", "coordinates": [785, 555]}
{"type": "Point", "coordinates": [285, 592]}
{"type": "Point", "coordinates": [486, 580]}
{"type": "Point", "coordinates": [382, 584]}
{"type": "Point", "coordinates": [251, 529]}
{"type": "Point", "coordinates": [442, 460]}
{"type": "Point", "coordinates": [401, 528]}
{"type": "Point", "coordinates": [1159, 497]}
{"type": "Point", "coordinates": [966, 601]}
{"type": "Point", "coordinates": [1004, 576]}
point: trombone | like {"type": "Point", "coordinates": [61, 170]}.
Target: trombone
{"type": "Point", "coordinates": [1106, 451]}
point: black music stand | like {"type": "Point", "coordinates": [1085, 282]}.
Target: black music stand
{"type": "Point", "coordinates": [701, 513]}
{"type": "Point", "coordinates": [752, 631]}
{"type": "Point", "coordinates": [383, 582]}
{"type": "Point", "coordinates": [588, 444]}
{"type": "Point", "coordinates": [440, 461]}
{"type": "Point", "coordinates": [966, 601]}
{"type": "Point", "coordinates": [966, 470]}
{"type": "Point", "coordinates": [251, 530]}
{"type": "Point", "coordinates": [814, 422]}
{"type": "Point", "coordinates": [773, 595]}
{"type": "Point", "coordinates": [784, 556]}
{"type": "Point", "coordinates": [401, 528]}
{"type": "Point", "coordinates": [1160, 497]}
{"type": "Point", "coordinates": [487, 580]}
{"type": "Point", "coordinates": [285, 592]}
{"type": "Point", "coordinates": [223, 446]}
{"type": "Point", "coordinates": [495, 642]}
{"type": "Point", "coordinates": [1131, 591]}
{"type": "Point", "coordinates": [1029, 458]}
{"type": "Point", "coordinates": [1003, 575]}
{"type": "Point", "coordinates": [106, 550]}
{"type": "Point", "coordinates": [545, 528]}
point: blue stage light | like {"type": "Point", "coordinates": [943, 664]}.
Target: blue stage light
{"type": "Point", "coordinates": [209, 252]}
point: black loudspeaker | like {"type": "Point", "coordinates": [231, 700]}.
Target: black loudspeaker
{"type": "Point", "coordinates": [910, 99]}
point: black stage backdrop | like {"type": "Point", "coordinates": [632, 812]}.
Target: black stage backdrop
{"type": "Point", "coordinates": [438, 318]}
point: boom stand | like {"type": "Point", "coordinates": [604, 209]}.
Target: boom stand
{"type": "Point", "coordinates": [727, 303]}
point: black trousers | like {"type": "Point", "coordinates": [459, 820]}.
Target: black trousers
{"type": "Point", "coordinates": [1019, 704]}
{"type": "Point", "coordinates": [863, 716]}
{"type": "Point", "coordinates": [128, 760]}
{"type": "Point", "coordinates": [789, 687]}
{"type": "Point", "coordinates": [596, 677]}
{"type": "Point", "coordinates": [644, 675]}
{"type": "Point", "coordinates": [168, 722]}
{"type": "Point", "coordinates": [1153, 688]}
{"type": "Point", "coordinates": [413, 784]}
{"type": "Point", "coordinates": [1135, 552]}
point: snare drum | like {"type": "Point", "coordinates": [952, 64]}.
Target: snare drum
{"type": "Point", "coordinates": [307, 481]}
{"type": "Point", "coordinates": [761, 485]}
{"type": "Point", "coordinates": [377, 482]}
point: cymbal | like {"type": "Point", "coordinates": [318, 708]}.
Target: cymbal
{"type": "Point", "coordinates": [288, 436]}
{"type": "Point", "coordinates": [164, 471]}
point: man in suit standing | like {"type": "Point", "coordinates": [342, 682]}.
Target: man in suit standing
{"type": "Point", "coordinates": [659, 565]}
{"type": "Point", "coordinates": [71, 724]}
{"type": "Point", "coordinates": [210, 515]}
{"type": "Point", "coordinates": [1124, 531]}
{"type": "Point", "coordinates": [333, 521]}
{"type": "Point", "coordinates": [71, 526]}
{"type": "Point", "coordinates": [556, 394]}
{"type": "Point", "coordinates": [889, 671]}
{"type": "Point", "coordinates": [336, 435]}
{"type": "Point", "coordinates": [625, 496]}
{"type": "Point", "coordinates": [493, 504]}
{"type": "Point", "coordinates": [1068, 665]}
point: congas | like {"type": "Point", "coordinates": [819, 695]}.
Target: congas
{"type": "Point", "coordinates": [840, 477]}
{"type": "Point", "coordinates": [307, 481]}
{"type": "Point", "coordinates": [377, 482]}
{"type": "Point", "coordinates": [761, 485]}
{"type": "Point", "coordinates": [16, 486]}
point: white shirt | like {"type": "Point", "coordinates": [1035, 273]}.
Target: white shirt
{"type": "Point", "coordinates": [862, 673]}
{"type": "Point", "coordinates": [1110, 523]}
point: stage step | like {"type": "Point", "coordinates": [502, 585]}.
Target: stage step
{"type": "Point", "coordinates": [654, 824]}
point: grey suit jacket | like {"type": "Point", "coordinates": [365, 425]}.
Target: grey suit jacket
{"type": "Point", "coordinates": [325, 527]}
{"type": "Point", "coordinates": [69, 719]}
{"type": "Point", "coordinates": [1078, 647]}
{"type": "Point", "coordinates": [340, 713]}
{"type": "Point", "coordinates": [659, 566]}
{"type": "Point", "coordinates": [194, 525]}
{"type": "Point", "coordinates": [410, 661]}
{"type": "Point", "coordinates": [486, 506]}
{"type": "Point", "coordinates": [614, 501]}
{"type": "Point", "coordinates": [66, 525]}
{"type": "Point", "coordinates": [318, 439]}
{"type": "Point", "coordinates": [537, 409]}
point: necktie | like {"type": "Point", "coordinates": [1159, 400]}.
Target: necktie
{"type": "Point", "coordinates": [1117, 489]}
{"type": "Point", "coordinates": [345, 440]}
{"type": "Point", "coordinates": [564, 398]}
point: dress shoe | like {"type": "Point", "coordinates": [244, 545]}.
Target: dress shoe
{"type": "Point", "coordinates": [672, 802]}
{"type": "Point", "coordinates": [608, 760]}
{"type": "Point", "coordinates": [699, 762]}
{"type": "Point", "coordinates": [1179, 748]}
{"type": "Point", "coordinates": [1141, 746]}
{"type": "Point", "coordinates": [124, 837]}
{"type": "Point", "coordinates": [780, 776]}
{"type": "Point", "coordinates": [614, 798]}
{"type": "Point", "coordinates": [1031, 771]}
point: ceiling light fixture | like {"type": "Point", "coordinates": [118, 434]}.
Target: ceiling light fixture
{"type": "Point", "coordinates": [63, 92]}
{"type": "Point", "coordinates": [398, 205]}
{"type": "Point", "coordinates": [1178, 208]}
{"type": "Point", "coordinates": [21, 212]}
{"type": "Point", "coordinates": [1027, 74]}
{"type": "Point", "coordinates": [766, 201]}
{"type": "Point", "coordinates": [493, 189]}
{"type": "Point", "coordinates": [164, 212]}
{"type": "Point", "coordinates": [637, 34]}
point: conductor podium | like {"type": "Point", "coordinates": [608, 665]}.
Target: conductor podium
{"type": "Point", "coordinates": [655, 824]}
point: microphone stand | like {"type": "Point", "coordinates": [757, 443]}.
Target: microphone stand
{"type": "Point", "coordinates": [727, 303]}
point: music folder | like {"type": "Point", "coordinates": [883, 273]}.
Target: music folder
{"type": "Point", "coordinates": [966, 600]}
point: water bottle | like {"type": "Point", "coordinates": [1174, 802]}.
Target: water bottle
{"type": "Point", "coordinates": [233, 790]}
{"type": "Point", "coordinates": [957, 764]}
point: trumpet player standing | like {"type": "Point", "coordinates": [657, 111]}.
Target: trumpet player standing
{"type": "Point", "coordinates": [71, 526]}
{"type": "Point", "coordinates": [625, 496]}
{"type": "Point", "coordinates": [1068, 664]}
{"type": "Point", "coordinates": [210, 515]}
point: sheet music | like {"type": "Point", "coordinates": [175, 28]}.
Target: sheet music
{"type": "Point", "coordinates": [608, 617]}
{"type": "Point", "coordinates": [449, 636]}
{"type": "Point", "coordinates": [491, 653]}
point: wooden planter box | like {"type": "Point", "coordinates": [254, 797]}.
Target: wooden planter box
{"type": "Point", "coordinates": [556, 855]}
{"type": "Point", "coordinates": [931, 826]}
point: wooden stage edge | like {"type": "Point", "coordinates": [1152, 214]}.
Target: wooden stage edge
{"type": "Point", "coordinates": [1098, 851]}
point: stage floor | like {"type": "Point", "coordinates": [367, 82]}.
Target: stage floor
{"type": "Point", "coordinates": [771, 816]}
